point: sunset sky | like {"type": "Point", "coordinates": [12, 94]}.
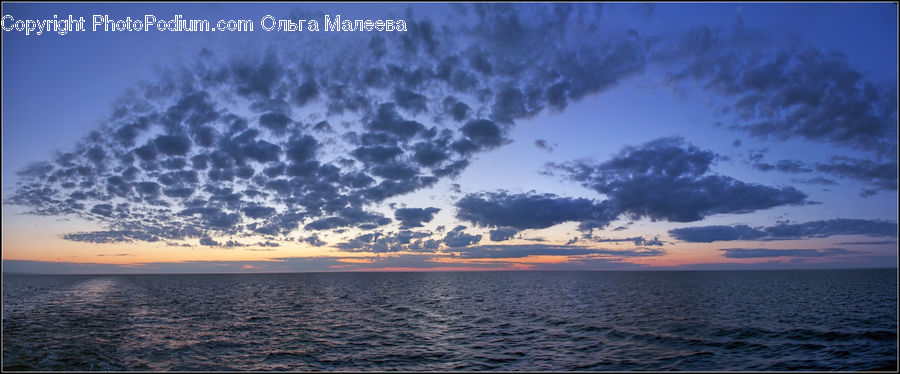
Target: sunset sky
{"type": "Point", "coordinates": [485, 137]}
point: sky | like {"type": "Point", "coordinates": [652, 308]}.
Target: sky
{"type": "Point", "coordinates": [621, 136]}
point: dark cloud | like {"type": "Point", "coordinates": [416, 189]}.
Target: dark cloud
{"type": "Point", "coordinates": [873, 242]}
{"type": "Point", "coordinates": [832, 227]}
{"type": "Point", "coordinates": [818, 180]}
{"type": "Point", "coordinates": [881, 175]}
{"type": "Point", "coordinates": [275, 166]}
{"type": "Point", "coordinates": [785, 90]}
{"type": "Point", "coordinates": [707, 234]}
{"type": "Point", "coordinates": [314, 240]}
{"type": "Point", "coordinates": [118, 236]}
{"type": "Point", "coordinates": [457, 238]}
{"type": "Point", "coordinates": [417, 110]}
{"type": "Point", "coordinates": [387, 120]}
{"type": "Point", "coordinates": [531, 210]}
{"type": "Point", "coordinates": [484, 134]}
{"type": "Point", "coordinates": [667, 179]}
{"type": "Point", "coordinates": [305, 92]}
{"type": "Point", "coordinates": [102, 209]}
{"type": "Point", "coordinates": [637, 241]}
{"type": "Point", "coordinates": [349, 217]}
{"type": "Point", "coordinates": [785, 166]}
{"type": "Point", "coordinates": [277, 122]}
{"type": "Point", "coordinates": [256, 211]}
{"type": "Point", "coordinates": [173, 145]}
{"type": "Point", "coordinates": [209, 242]}
{"type": "Point", "coordinates": [525, 250]}
{"type": "Point", "coordinates": [503, 233]}
{"type": "Point", "coordinates": [543, 144]}
{"type": "Point", "coordinates": [414, 217]}
{"type": "Point", "coordinates": [404, 240]}
{"type": "Point", "coordinates": [765, 252]}
{"type": "Point", "coordinates": [787, 231]}
{"type": "Point", "coordinates": [411, 101]}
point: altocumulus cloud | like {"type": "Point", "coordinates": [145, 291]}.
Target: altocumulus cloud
{"type": "Point", "coordinates": [224, 147]}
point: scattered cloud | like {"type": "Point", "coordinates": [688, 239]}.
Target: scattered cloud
{"type": "Point", "coordinates": [543, 144]}
{"type": "Point", "coordinates": [764, 252]}
{"type": "Point", "coordinates": [782, 90]}
{"type": "Point", "coordinates": [787, 231]}
{"type": "Point", "coordinates": [225, 147]}
{"type": "Point", "coordinates": [525, 250]}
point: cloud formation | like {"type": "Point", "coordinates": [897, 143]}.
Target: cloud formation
{"type": "Point", "coordinates": [669, 179]}
{"type": "Point", "coordinates": [782, 90]}
{"type": "Point", "coordinates": [243, 146]}
{"type": "Point", "coordinates": [251, 145]}
{"type": "Point", "coordinates": [880, 175]}
{"type": "Point", "coordinates": [516, 212]}
{"type": "Point", "coordinates": [765, 252]}
{"type": "Point", "coordinates": [402, 241]}
{"type": "Point", "coordinates": [414, 217]}
{"type": "Point", "coordinates": [525, 250]}
{"type": "Point", "coordinates": [787, 231]}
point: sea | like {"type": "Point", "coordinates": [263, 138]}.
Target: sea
{"type": "Point", "coordinates": [458, 321]}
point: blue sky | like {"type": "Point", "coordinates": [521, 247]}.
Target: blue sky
{"type": "Point", "coordinates": [506, 136]}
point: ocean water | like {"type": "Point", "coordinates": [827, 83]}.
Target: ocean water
{"type": "Point", "coordinates": [698, 320]}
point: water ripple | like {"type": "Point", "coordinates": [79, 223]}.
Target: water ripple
{"type": "Point", "coordinates": [775, 320]}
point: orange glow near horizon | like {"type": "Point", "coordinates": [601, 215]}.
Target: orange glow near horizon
{"type": "Point", "coordinates": [31, 238]}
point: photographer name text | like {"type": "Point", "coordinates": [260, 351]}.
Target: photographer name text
{"type": "Point", "coordinates": [177, 23]}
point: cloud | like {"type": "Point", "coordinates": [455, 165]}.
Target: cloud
{"type": "Point", "coordinates": [233, 124]}
{"type": "Point", "coordinates": [458, 238]}
{"type": "Point", "coordinates": [402, 241]}
{"type": "Point", "coordinates": [638, 241]}
{"type": "Point", "coordinates": [764, 252]}
{"type": "Point", "coordinates": [525, 250]}
{"type": "Point", "coordinates": [873, 242]}
{"type": "Point", "coordinates": [668, 179]}
{"type": "Point", "coordinates": [530, 210]}
{"type": "Point", "coordinates": [881, 175]}
{"type": "Point", "coordinates": [220, 146]}
{"type": "Point", "coordinates": [783, 90]}
{"type": "Point", "coordinates": [543, 144]}
{"type": "Point", "coordinates": [818, 180]}
{"type": "Point", "coordinates": [117, 236]}
{"type": "Point", "coordinates": [414, 217]}
{"type": "Point", "coordinates": [708, 234]}
{"type": "Point", "coordinates": [787, 231]}
{"type": "Point", "coordinates": [826, 228]}
{"type": "Point", "coordinates": [349, 217]}
{"type": "Point", "coordinates": [503, 233]}
{"type": "Point", "coordinates": [785, 166]}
